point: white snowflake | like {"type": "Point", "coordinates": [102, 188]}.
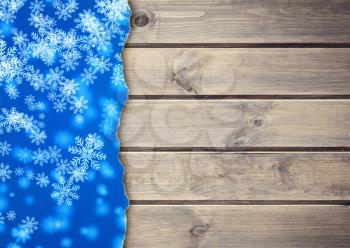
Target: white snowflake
{"type": "Point", "coordinates": [5, 172]}
{"type": "Point", "coordinates": [54, 154]}
{"type": "Point", "coordinates": [78, 105]}
{"type": "Point", "coordinates": [5, 148]}
{"type": "Point", "coordinates": [12, 120]}
{"type": "Point", "coordinates": [29, 224]}
{"type": "Point", "coordinates": [65, 10]}
{"type": "Point", "coordinates": [40, 157]}
{"type": "Point", "coordinates": [30, 175]}
{"type": "Point", "coordinates": [63, 167]}
{"type": "Point", "coordinates": [87, 152]}
{"type": "Point", "coordinates": [64, 191]}
{"type": "Point", "coordinates": [78, 174]}
{"type": "Point", "coordinates": [19, 171]}
{"type": "Point", "coordinates": [9, 8]}
{"type": "Point", "coordinates": [11, 215]}
{"type": "Point", "coordinates": [42, 180]}
{"type": "Point", "coordinates": [114, 10]}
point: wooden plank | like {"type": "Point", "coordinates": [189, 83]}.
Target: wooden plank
{"type": "Point", "coordinates": [238, 71]}
{"type": "Point", "coordinates": [238, 226]}
{"type": "Point", "coordinates": [233, 123]}
{"type": "Point", "coordinates": [236, 21]}
{"type": "Point", "coordinates": [234, 176]}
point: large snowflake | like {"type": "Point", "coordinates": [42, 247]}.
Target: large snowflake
{"type": "Point", "coordinates": [87, 152]}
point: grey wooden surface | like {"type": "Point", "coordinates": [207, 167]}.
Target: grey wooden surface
{"type": "Point", "coordinates": [236, 133]}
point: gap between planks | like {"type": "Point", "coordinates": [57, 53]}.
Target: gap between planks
{"type": "Point", "coordinates": [237, 45]}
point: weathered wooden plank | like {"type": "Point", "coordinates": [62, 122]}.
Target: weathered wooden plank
{"type": "Point", "coordinates": [233, 123]}
{"type": "Point", "coordinates": [238, 226]}
{"type": "Point", "coordinates": [236, 21]}
{"type": "Point", "coordinates": [238, 71]}
{"type": "Point", "coordinates": [237, 176]}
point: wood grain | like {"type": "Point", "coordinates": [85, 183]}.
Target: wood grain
{"type": "Point", "coordinates": [234, 176]}
{"type": "Point", "coordinates": [238, 226]}
{"type": "Point", "coordinates": [237, 71]}
{"type": "Point", "coordinates": [237, 21]}
{"type": "Point", "coordinates": [233, 123]}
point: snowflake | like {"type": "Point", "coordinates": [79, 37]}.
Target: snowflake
{"type": "Point", "coordinates": [8, 9]}
{"type": "Point", "coordinates": [5, 172]}
{"type": "Point", "coordinates": [54, 154]}
{"type": "Point", "coordinates": [12, 120]}
{"type": "Point", "coordinates": [42, 180]}
{"type": "Point", "coordinates": [65, 11]}
{"type": "Point", "coordinates": [2, 219]}
{"type": "Point", "coordinates": [5, 148]}
{"type": "Point", "coordinates": [37, 6]}
{"type": "Point", "coordinates": [78, 174]}
{"type": "Point", "coordinates": [65, 192]}
{"type": "Point", "coordinates": [38, 136]}
{"type": "Point", "coordinates": [63, 167]}
{"type": "Point", "coordinates": [87, 152]}
{"type": "Point", "coordinates": [29, 224]}
{"type": "Point", "coordinates": [11, 215]}
{"type": "Point", "coordinates": [12, 91]}
{"type": "Point", "coordinates": [30, 175]}
{"type": "Point", "coordinates": [10, 65]}
{"type": "Point", "coordinates": [19, 171]}
{"type": "Point", "coordinates": [88, 76]}
{"type": "Point", "coordinates": [99, 64]}
{"type": "Point", "coordinates": [113, 9]}
{"type": "Point", "coordinates": [118, 75]}
{"type": "Point", "coordinates": [78, 105]}
{"type": "Point", "coordinates": [70, 59]}
{"type": "Point", "coordinates": [40, 157]}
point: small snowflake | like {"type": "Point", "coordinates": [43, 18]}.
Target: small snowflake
{"type": "Point", "coordinates": [40, 157]}
{"type": "Point", "coordinates": [19, 171]}
{"type": "Point", "coordinates": [42, 180]}
{"type": "Point", "coordinates": [54, 154]}
{"type": "Point", "coordinates": [5, 172]}
{"type": "Point", "coordinates": [29, 224]}
{"type": "Point", "coordinates": [63, 166]}
{"type": "Point", "coordinates": [11, 215]}
{"type": "Point", "coordinates": [5, 148]}
{"type": "Point", "coordinates": [30, 175]}
{"type": "Point", "coordinates": [78, 174]}
{"type": "Point", "coordinates": [65, 192]}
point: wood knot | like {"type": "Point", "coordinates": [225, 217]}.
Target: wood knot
{"type": "Point", "coordinates": [256, 122]}
{"type": "Point", "coordinates": [141, 19]}
{"type": "Point", "coordinates": [199, 230]}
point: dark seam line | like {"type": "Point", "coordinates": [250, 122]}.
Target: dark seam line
{"type": "Point", "coordinates": [234, 149]}
{"type": "Point", "coordinates": [240, 202]}
{"type": "Point", "coordinates": [239, 97]}
{"type": "Point", "coordinates": [237, 45]}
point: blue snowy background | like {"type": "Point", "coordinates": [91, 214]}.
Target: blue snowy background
{"type": "Point", "coordinates": [62, 91]}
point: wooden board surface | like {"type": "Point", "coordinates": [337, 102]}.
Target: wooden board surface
{"type": "Point", "coordinates": [207, 129]}
{"type": "Point", "coordinates": [237, 21]}
{"type": "Point", "coordinates": [239, 226]}
{"type": "Point", "coordinates": [233, 123]}
{"type": "Point", "coordinates": [188, 176]}
{"type": "Point", "coordinates": [181, 71]}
